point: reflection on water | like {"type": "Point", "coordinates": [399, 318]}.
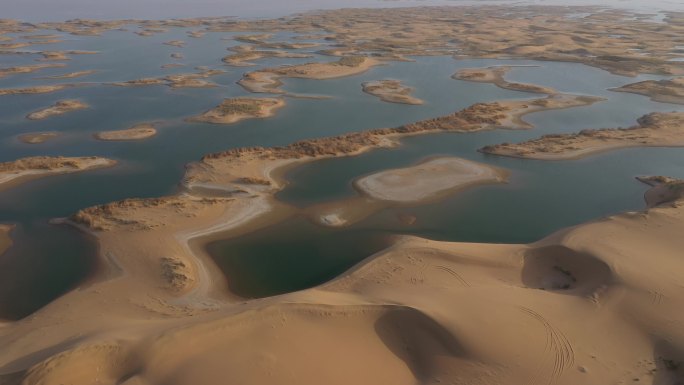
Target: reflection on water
{"type": "Point", "coordinates": [291, 256]}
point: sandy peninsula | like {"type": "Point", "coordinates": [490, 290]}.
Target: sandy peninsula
{"type": "Point", "coordinates": [653, 130]}
{"type": "Point", "coordinates": [663, 91]}
{"type": "Point", "coordinates": [391, 91]}
{"type": "Point", "coordinates": [27, 69]}
{"type": "Point", "coordinates": [25, 169]}
{"type": "Point", "coordinates": [71, 75]}
{"type": "Point", "coordinates": [495, 75]}
{"type": "Point", "coordinates": [427, 179]}
{"type": "Point", "coordinates": [268, 80]}
{"type": "Point", "coordinates": [137, 132]}
{"type": "Point", "coordinates": [38, 137]}
{"type": "Point", "coordinates": [237, 109]}
{"type": "Point", "coordinates": [61, 107]}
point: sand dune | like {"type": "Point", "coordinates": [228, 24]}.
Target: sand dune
{"type": "Point", "coordinates": [580, 306]}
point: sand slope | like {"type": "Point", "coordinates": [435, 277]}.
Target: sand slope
{"type": "Point", "coordinates": [581, 306]}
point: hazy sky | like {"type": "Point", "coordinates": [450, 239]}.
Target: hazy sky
{"type": "Point", "coordinates": [57, 10]}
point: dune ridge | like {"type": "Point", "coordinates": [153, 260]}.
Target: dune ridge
{"type": "Point", "coordinates": [25, 169]}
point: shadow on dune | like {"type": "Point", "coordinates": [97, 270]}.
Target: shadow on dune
{"type": "Point", "coordinates": [416, 339]}
{"type": "Point", "coordinates": [561, 269]}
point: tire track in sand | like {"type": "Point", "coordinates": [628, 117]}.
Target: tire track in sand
{"type": "Point", "coordinates": [557, 344]}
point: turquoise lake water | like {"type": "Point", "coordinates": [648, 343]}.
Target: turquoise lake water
{"type": "Point", "coordinates": [541, 197]}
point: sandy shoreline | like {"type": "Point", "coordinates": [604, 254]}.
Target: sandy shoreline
{"type": "Point", "coordinates": [495, 75]}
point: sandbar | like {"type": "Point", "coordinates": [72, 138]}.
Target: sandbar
{"type": "Point", "coordinates": [237, 109]}
{"type": "Point", "coordinates": [5, 239]}
{"type": "Point", "coordinates": [137, 132]}
{"type": "Point", "coordinates": [71, 75]}
{"type": "Point", "coordinates": [38, 137]}
{"type": "Point", "coordinates": [27, 69]}
{"type": "Point", "coordinates": [427, 179]}
{"type": "Point", "coordinates": [61, 107]}
{"type": "Point", "coordinates": [34, 90]}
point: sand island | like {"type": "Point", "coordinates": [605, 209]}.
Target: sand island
{"type": "Point", "coordinates": [38, 137]}
{"type": "Point", "coordinates": [25, 169]}
{"type": "Point", "coordinates": [243, 55]}
{"type": "Point", "coordinates": [653, 130]}
{"type": "Point", "coordinates": [427, 179]}
{"type": "Point", "coordinates": [237, 109]}
{"type": "Point", "coordinates": [136, 132]}
{"type": "Point", "coordinates": [391, 91]}
{"type": "Point", "coordinates": [61, 107]}
{"type": "Point", "coordinates": [27, 69]}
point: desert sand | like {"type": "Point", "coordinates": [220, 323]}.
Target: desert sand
{"type": "Point", "coordinates": [61, 107]}
{"type": "Point", "coordinates": [417, 312]}
{"type": "Point", "coordinates": [137, 132]}
{"type": "Point", "coordinates": [38, 137]}
{"type": "Point", "coordinates": [25, 169]}
{"type": "Point", "coordinates": [663, 91]}
{"type": "Point", "coordinates": [427, 179]}
{"type": "Point", "coordinates": [652, 130]}
{"type": "Point", "coordinates": [599, 303]}
{"type": "Point", "coordinates": [391, 91]}
{"type": "Point", "coordinates": [267, 80]}
{"type": "Point", "coordinates": [236, 109]}
{"type": "Point", "coordinates": [495, 75]}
